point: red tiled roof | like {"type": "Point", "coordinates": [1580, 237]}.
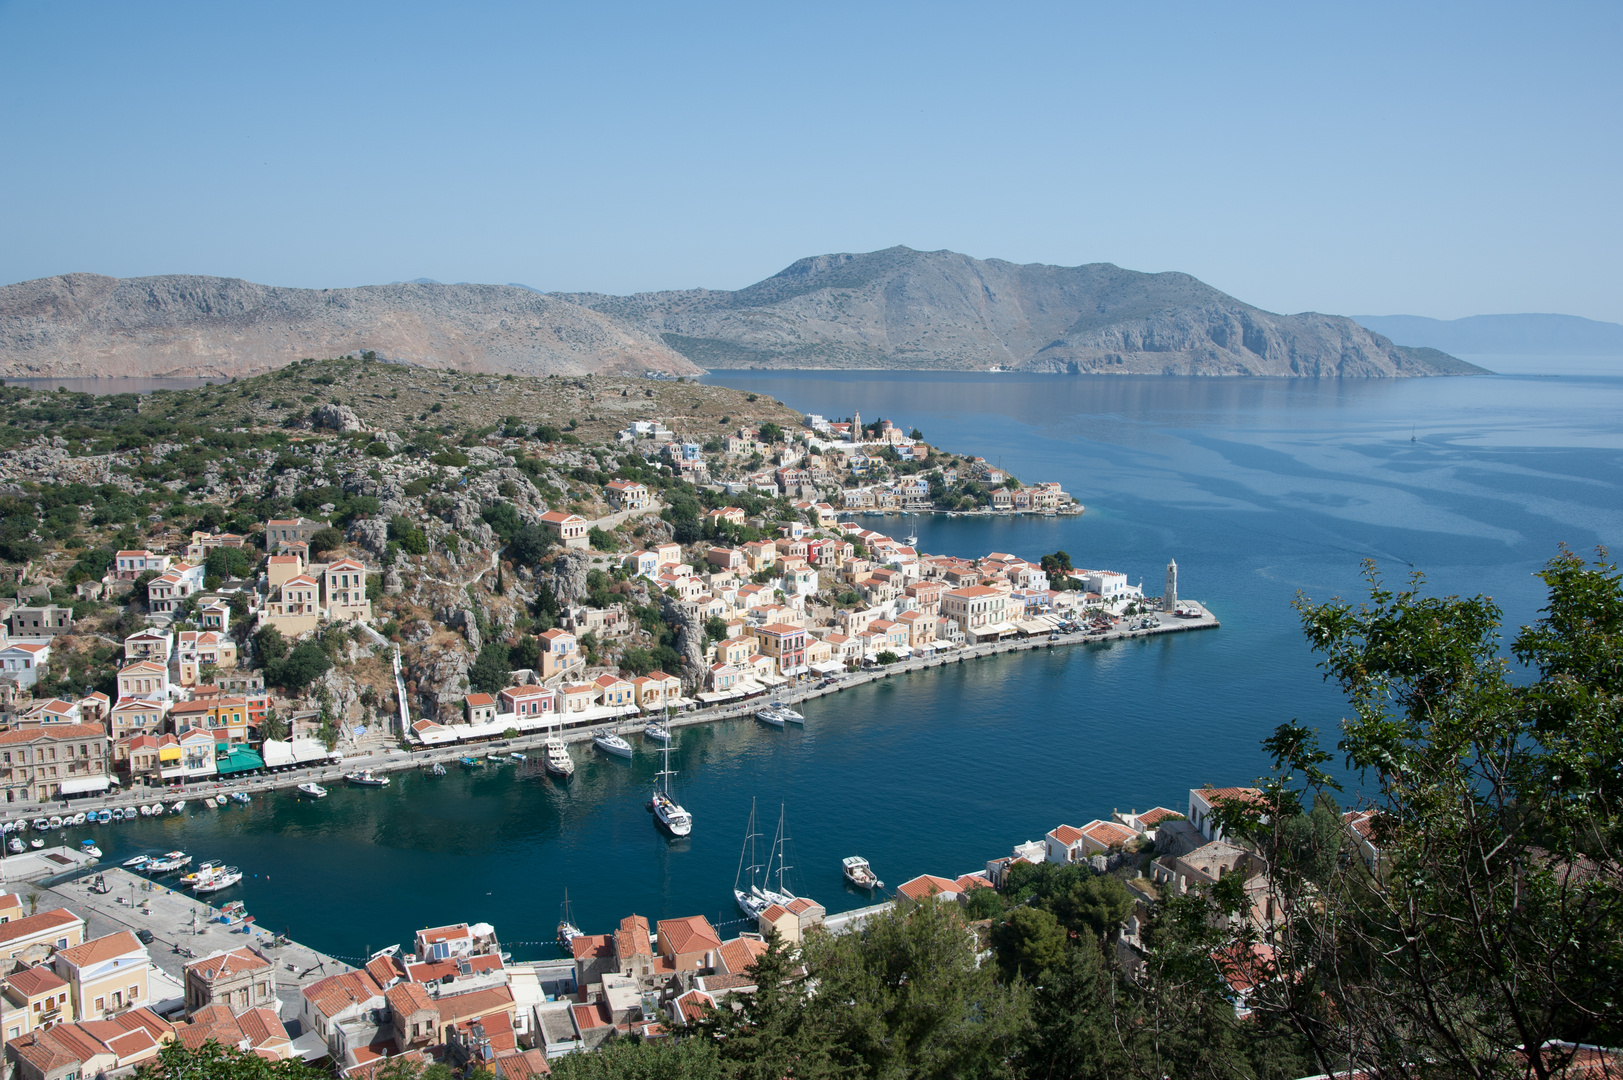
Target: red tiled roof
{"type": "Point", "coordinates": [227, 963]}
{"type": "Point", "coordinates": [739, 954]}
{"type": "Point", "coordinates": [55, 919]}
{"type": "Point", "coordinates": [592, 947]}
{"type": "Point", "coordinates": [1108, 833]}
{"type": "Point", "coordinates": [1066, 834]}
{"type": "Point", "coordinates": [973, 881]}
{"type": "Point", "coordinates": [384, 970]}
{"type": "Point", "coordinates": [457, 1008]}
{"type": "Point", "coordinates": [335, 993]}
{"type": "Point", "coordinates": [587, 1017]}
{"type": "Point", "coordinates": [407, 997]}
{"type": "Point", "coordinates": [35, 980]}
{"type": "Point", "coordinates": [927, 885]}
{"type": "Point", "coordinates": [62, 732]}
{"type": "Point", "coordinates": [693, 1005]}
{"type": "Point", "coordinates": [1151, 818]}
{"type": "Point", "coordinates": [691, 934]}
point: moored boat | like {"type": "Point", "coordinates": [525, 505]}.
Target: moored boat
{"type": "Point", "coordinates": [241, 797]}
{"type": "Point", "coordinates": [88, 847]}
{"type": "Point", "coordinates": [16, 846]}
{"type": "Point", "coordinates": [79, 818]}
{"type": "Point", "coordinates": [669, 813]}
{"type": "Point", "coordinates": [36, 843]}
{"type": "Point", "coordinates": [610, 743]}
{"type": "Point", "coordinates": [55, 822]}
{"type": "Point", "coordinates": [769, 714]}
{"type": "Point", "coordinates": [558, 761]}
{"type": "Point", "coordinates": [204, 869]}
{"type": "Point", "coordinates": [136, 863]}
{"type": "Point", "coordinates": [180, 805]}
{"type": "Point", "coordinates": [437, 769]}
{"type": "Point", "coordinates": [168, 862]}
{"type": "Point", "coordinates": [656, 731]}
{"type": "Point", "coordinates": [224, 879]}
{"type": "Point", "coordinates": [366, 778]}
{"type": "Point", "coordinates": [104, 818]}
{"type": "Point", "coordinates": [859, 873]}
{"type": "Point", "coordinates": [567, 930]}
{"type": "Point", "coordinates": [312, 790]}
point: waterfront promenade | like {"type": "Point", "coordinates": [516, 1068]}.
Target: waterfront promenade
{"type": "Point", "coordinates": [380, 757]}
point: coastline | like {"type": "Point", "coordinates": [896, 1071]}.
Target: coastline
{"type": "Point", "coordinates": [398, 760]}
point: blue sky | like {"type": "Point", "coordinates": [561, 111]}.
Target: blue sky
{"type": "Point", "coordinates": [1442, 160]}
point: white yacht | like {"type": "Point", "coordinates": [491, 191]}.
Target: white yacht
{"type": "Point", "coordinates": [167, 862]}
{"type": "Point", "coordinates": [667, 811]}
{"type": "Point", "coordinates": [789, 715]}
{"type": "Point", "coordinates": [206, 868]}
{"type": "Point", "coordinates": [223, 878]}
{"type": "Point", "coordinates": [610, 743]}
{"type": "Point", "coordinates": [366, 778]}
{"type": "Point", "coordinates": [769, 714]}
{"type": "Point", "coordinates": [558, 760]}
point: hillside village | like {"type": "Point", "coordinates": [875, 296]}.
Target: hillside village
{"type": "Point", "coordinates": [196, 601]}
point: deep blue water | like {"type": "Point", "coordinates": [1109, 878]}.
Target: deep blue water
{"type": "Point", "coordinates": [1259, 488]}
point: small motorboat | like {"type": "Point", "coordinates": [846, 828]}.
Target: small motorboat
{"type": "Point", "coordinates": [36, 843]}
{"type": "Point", "coordinates": [136, 863]}
{"type": "Point", "coordinates": [859, 873]}
{"type": "Point", "coordinates": [178, 807]}
{"type": "Point", "coordinates": [104, 818]}
{"type": "Point", "coordinates": [118, 813]}
{"type": "Point", "coordinates": [241, 797]}
{"type": "Point", "coordinates": [314, 791]}
{"type": "Point", "coordinates": [516, 756]}
{"type": "Point", "coordinates": [88, 847]}
{"type": "Point", "coordinates": [437, 769]}
{"type": "Point", "coordinates": [79, 818]}
{"type": "Point", "coordinates": [656, 731]}
{"type": "Point", "coordinates": [204, 869]}
{"type": "Point", "coordinates": [169, 862]}
{"type": "Point", "coordinates": [16, 846]}
{"type": "Point", "coordinates": [366, 778]}
{"type": "Point", "coordinates": [610, 743]}
{"type": "Point", "coordinates": [224, 878]}
{"type": "Point", "coordinates": [41, 824]}
{"type": "Point", "coordinates": [146, 811]}
{"type": "Point", "coordinates": [472, 763]}
{"type": "Point", "coordinates": [55, 822]}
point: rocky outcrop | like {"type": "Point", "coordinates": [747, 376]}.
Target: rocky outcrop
{"type": "Point", "coordinates": [569, 575]}
{"type": "Point", "coordinates": [689, 637]}
{"type": "Point", "coordinates": [901, 308]}
{"type": "Point", "coordinates": [88, 326]}
{"type": "Point", "coordinates": [340, 418]}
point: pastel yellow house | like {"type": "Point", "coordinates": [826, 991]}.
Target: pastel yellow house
{"type": "Point", "coordinates": [345, 587]}
{"type": "Point", "coordinates": [105, 975]}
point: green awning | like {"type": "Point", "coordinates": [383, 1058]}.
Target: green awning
{"type": "Point", "coordinates": [240, 759]}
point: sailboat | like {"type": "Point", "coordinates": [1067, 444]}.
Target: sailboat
{"type": "Point", "coordinates": [666, 809]}
{"type": "Point", "coordinates": [567, 930]}
{"type": "Point", "coordinates": [558, 760]}
{"type": "Point", "coordinates": [758, 898]}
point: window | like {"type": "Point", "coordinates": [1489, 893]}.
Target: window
{"type": "Point", "coordinates": [135, 993]}
{"type": "Point", "coordinates": [101, 1004]}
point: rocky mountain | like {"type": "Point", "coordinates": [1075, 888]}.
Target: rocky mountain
{"type": "Point", "coordinates": [901, 308]}
{"type": "Point", "coordinates": [88, 325]}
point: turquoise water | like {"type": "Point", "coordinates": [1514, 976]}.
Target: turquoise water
{"type": "Point", "coordinates": [1258, 488]}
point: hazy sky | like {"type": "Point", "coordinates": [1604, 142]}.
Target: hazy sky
{"type": "Point", "coordinates": [1442, 160]}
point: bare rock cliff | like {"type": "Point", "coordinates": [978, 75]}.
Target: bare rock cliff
{"type": "Point", "coordinates": [85, 325]}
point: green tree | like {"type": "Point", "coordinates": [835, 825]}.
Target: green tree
{"type": "Point", "coordinates": [1028, 942]}
{"type": "Point", "coordinates": [212, 1061]}
{"type": "Point", "coordinates": [906, 996]}
{"type": "Point", "coordinates": [526, 652]}
{"type": "Point", "coordinates": [269, 644]}
{"type": "Point", "coordinates": [1095, 904]}
{"type": "Point", "coordinates": [635, 1059]}
{"type": "Point", "coordinates": [304, 664]}
{"type": "Point", "coordinates": [502, 519]}
{"type": "Point", "coordinates": [771, 432]}
{"type": "Point", "coordinates": [529, 546]}
{"type": "Point", "coordinates": [1074, 1010]}
{"type": "Point", "coordinates": [328, 539]}
{"type": "Point", "coordinates": [715, 628]}
{"type": "Point", "coordinates": [773, 1032]}
{"type": "Point", "coordinates": [602, 541]}
{"type": "Point", "coordinates": [491, 669]}
{"type": "Point", "coordinates": [224, 562]}
{"type": "Point", "coordinates": [273, 726]}
{"type": "Point", "coordinates": [1492, 919]}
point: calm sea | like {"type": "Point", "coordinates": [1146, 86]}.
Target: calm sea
{"type": "Point", "coordinates": [1259, 488]}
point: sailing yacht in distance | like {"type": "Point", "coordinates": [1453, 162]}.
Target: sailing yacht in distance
{"type": "Point", "coordinates": [666, 810]}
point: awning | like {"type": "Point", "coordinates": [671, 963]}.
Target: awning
{"type": "Point", "coordinates": [828, 667]}
{"type": "Point", "coordinates": [78, 785]}
{"type": "Point", "coordinates": [241, 759]}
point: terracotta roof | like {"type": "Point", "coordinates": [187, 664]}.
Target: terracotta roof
{"type": "Point", "coordinates": [1108, 833]}
{"type": "Point", "coordinates": [480, 699]}
{"type": "Point", "coordinates": [35, 980]}
{"type": "Point", "coordinates": [470, 1006]}
{"type": "Point", "coordinates": [227, 963]}
{"type": "Point", "coordinates": [52, 731]}
{"type": "Point", "coordinates": [434, 970]}
{"type": "Point", "coordinates": [1151, 818]}
{"type": "Point", "coordinates": [1233, 794]}
{"type": "Point", "coordinates": [408, 997]}
{"type": "Point", "coordinates": [691, 934]}
{"type": "Point", "coordinates": [927, 885]}
{"type": "Point", "coordinates": [523, 1063]}
{"type": "Point", "coordinates": [774, 912]}
{"type": "Point", "coordinates": [800, 905]}
{"type": "Point", "coordinates": [55, 919]}
{"type": "Point", "coordinates": [632, 937]}
{"type": "Point", "coordinates": [1244, 965]}
{"type": "Point", "coordinates": [973, 881]}
{"type": "Point", "coordinates": [693, 1005]}
{"type": "Point", "coordinates": [335, 993]}
{"type": "Point", "coordinates": [739, 954]}
{"type": "Point", "coordinates": [384, 970]}
{"type": "Point", "coordinates": [587, 1017]}
{"type": "Point", "coordinates": [592, 947]}
{"type": "Point", "coordinates": [1066, 834]}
